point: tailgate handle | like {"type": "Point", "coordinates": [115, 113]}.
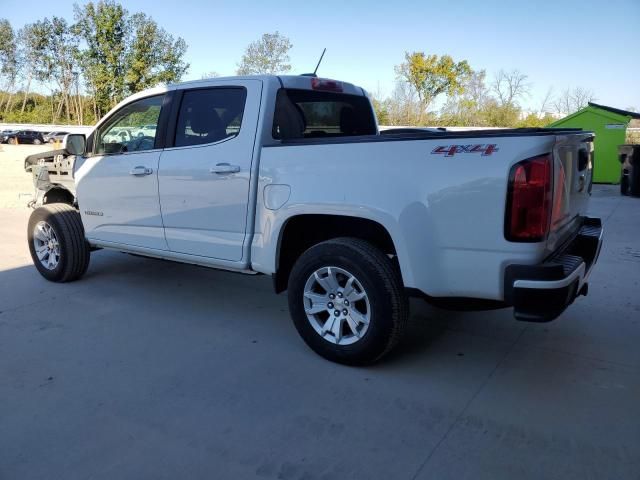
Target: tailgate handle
{"type": "Point", "coordinates": [583, 159]}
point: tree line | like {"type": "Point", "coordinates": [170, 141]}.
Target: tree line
{"type": "Point", "coordinates": [107, 53]}
{"type": "Point", "coordinates": [467, 97]}
{"type": "Point", "coordinates": [87, 65]}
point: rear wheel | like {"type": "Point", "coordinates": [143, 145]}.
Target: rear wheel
{"type": "Point", "coordinates": [347, 301]}
{"type": "Point", "coordinates": [57, 244]}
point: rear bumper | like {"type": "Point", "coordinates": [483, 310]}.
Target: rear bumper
{"type": "Point", "coordinates": [540, 293]}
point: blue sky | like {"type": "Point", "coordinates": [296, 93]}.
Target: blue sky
{"type": "Point", "coordinates": [592, 44]}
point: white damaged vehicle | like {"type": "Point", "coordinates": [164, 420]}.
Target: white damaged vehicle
{"type": "Point", "coordinates": [289, 177]}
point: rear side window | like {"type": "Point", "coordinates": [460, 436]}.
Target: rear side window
{"type": "Point", "coordinates": [313, 114]}
{"type": "Point", "coordinates": [209, 115]}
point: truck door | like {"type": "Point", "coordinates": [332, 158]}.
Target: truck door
{"type": "Point", "coordinates": [117, 185]}
{"type": "Point", "coordinates": [204, 174]}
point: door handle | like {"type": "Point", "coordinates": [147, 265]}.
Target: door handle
{"type": "Point", "coordinates": [141, 171]}
{"type": "Point", "coordinates": [224, 168]}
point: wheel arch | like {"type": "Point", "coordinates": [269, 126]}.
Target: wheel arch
{"type": "Point", "coordinates": [58, 194]}
{"type": "Point", "coordinates": [300, 232]}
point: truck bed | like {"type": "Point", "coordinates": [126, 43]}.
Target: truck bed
{"type": "Point", "coordinates": [418, 134]}
{"type": "Point", "coordinates": [443, 200]}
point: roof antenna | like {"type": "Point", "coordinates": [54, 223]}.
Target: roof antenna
{"type": "Point", "coordinates": [321, 57]}
{"type": "Point", "coordinates": [318, 65]}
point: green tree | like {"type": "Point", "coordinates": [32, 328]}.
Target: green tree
{"type": "Point", "coordinates": [8, 59]}
{"type": "Point", "coordinates": [104, 28]}
{"type": "Point", "coordinates": [269, 55]}
{"type": "Point", "coordinates": [33, 41]}
{"type": "Point", "coordinates": [404, 108]}
{"type": "Point", "coordinates": [7, 46]}
{"type": "Point", "coordinates": [381, 108]}
{"type": "Point", "coordinates": [125, 53]}
{"type": "Point", "coordinates": [468, 108]}
{"type": "Point", "coordinates": [431, 75]}
{"type": "Point", "coordinates": [154, 56]}
{"type": "Point", "coordinates": [106, 53]}
{"type": "Point", "coordinates": [60, 58]}
{"type": "Point", "coordinates": [497, 115]}
{"type": "Point", "coordinates": [533, 119]}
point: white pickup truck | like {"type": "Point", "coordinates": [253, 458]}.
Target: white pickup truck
{"type": "Point", "coordinates": [289, 176]}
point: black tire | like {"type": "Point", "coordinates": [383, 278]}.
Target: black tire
{"type": "Point", "coordinates": [380, 278]}
{"type": "Point", "coordinates": [37, 141]}
{"type": "Point", "coordinates": [74, 250]}
{"type": "Point", "coordinates": [11, 141]}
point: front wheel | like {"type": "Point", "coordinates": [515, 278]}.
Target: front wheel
{"type": "Point", "coordinates": [37, 142]}
{"type": "Point", "coordinates": [57, 244]}
{"type": "Point", "coordinates": [347, 301]}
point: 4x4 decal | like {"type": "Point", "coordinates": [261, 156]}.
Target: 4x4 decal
{"type": "Point", "coordinates": [451, 150]}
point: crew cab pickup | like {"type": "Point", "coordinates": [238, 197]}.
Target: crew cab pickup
{"type": "Point", "coordinates": [289, 176]}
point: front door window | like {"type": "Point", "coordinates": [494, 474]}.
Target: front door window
{"type": "Point", "coordinates": [132, 129]}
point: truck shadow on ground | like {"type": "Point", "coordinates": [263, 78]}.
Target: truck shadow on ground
{"type": "Point", "coordinates": [121, 284]}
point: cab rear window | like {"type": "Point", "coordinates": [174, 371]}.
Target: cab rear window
{"type": "Point", "coordinates": [313, 114]}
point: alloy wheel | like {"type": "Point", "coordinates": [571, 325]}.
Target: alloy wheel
{"type": "Point", "coordinates": [336, 305]}
{"type": "Point", "coordinates": [46, 245]}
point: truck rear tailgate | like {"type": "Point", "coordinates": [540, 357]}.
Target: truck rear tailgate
{"type": "Point", "coordinates": [572, 179]}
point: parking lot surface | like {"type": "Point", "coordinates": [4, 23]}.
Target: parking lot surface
{"type": "Point", "coordinates": [150, 369]}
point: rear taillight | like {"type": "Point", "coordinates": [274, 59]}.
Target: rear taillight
{"type": "Point", "coordinates": [529, 200]}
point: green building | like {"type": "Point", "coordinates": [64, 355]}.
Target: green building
{"type": "Point", "coordinates": [610, 126]}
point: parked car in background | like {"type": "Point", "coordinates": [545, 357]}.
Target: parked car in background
{"type": "Point", "coordinates": [25, 136]}
{"type": "Point", "coordinates": [144, 131]}
{"type": "Point", "coordinates": [53, 137]}
{"type": "Point", "coordinates": [118, 135]}
{"type": "Point", "coordinates": [4, 135]}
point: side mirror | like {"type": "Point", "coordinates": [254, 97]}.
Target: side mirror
{"type": "Point", "coordinates": [74, 144]}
